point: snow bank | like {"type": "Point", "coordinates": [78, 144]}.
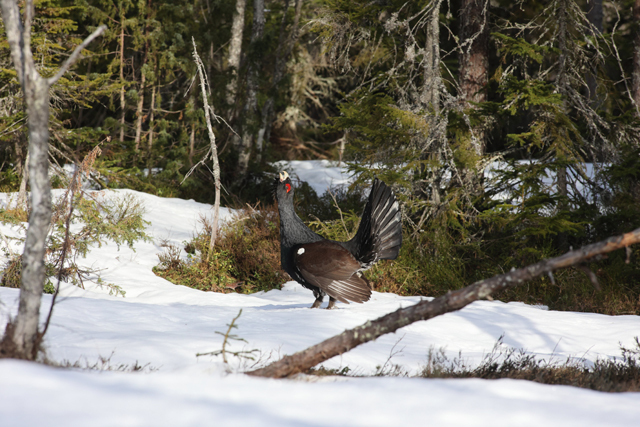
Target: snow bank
{"type": "Point", "coordinates": [163, 326]}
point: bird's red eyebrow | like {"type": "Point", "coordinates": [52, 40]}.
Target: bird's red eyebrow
{"type": "Point", "coordinates": [288, 187]}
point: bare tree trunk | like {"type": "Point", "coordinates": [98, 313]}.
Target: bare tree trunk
{"type": "Point", "coordinates": [140, 112]}
{"type": "Point", "coordinates": [21, 203]}
{"type": "Point", "coordinates": [264, 134]}
{"type": "Point", "coordinates": [474, 58]}
{"type": "Point", "coordinates": [21, 338]}
{"type": "Point", "coordinates": [122, 101]}
{"type": "Point", "coordinates": [635, 91]}
{"type": "Point", "coordinates": [25, 332]}
{"type": "Point", "coordinates": [235, 50]}
{"type": "Point", "coordinates": [151, 118]}
{"type": "Point", "coordinates": [251, 106]}
{"type": "Point", "coordinates": [594, 14]}
{"type": "Point", "coordinates": [143, 78]}
{"type": "Point", "coordinates": [214, 150]}
{"type": "Point", "coordinates": [432, 77]}
{"type": "Point", "coordinates": [452, 301]}
{"type": "Point", "coordinates": [561, 82]}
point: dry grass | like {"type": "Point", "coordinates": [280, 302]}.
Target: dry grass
{"type": "Point", "coordinates": [246, 257]}
{"type": "Point", "coordinates": [604, 375]}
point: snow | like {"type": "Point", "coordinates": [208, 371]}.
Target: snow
{"type": "Point", "coordinates": [319, 174]}
{"type": "Point", "coordinates": [161, 327]}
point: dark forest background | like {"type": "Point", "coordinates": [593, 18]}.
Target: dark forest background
{"type": "Point", "coordinates": [510, 130]}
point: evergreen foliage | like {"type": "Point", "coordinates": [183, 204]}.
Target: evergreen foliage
{"type": "Point", "coordinates": [548, 161]}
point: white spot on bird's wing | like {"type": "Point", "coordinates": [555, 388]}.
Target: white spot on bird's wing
{"type": "Point", "coordinates": [300, 251]}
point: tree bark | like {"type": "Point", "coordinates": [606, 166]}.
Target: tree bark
{"type": "Point", "coordinates": [474, 58]}
{"type": "Point", "coordinates": [21, 338]}
{"type": "Point", "coordinates": [635, 91]}
{"type": "Point", "coordinates": [235, 50]}
{"type": "Point", "coordinates": [143, 78]}
{"type": "Point", "coordinates": [264, 134]}
{"type": "Point", "coordinates": [594, 14]}
{"type": "Point", "coordinates": [21, 203]}
{"type": "Point", "coordinates": [432, 77]}
{"type": "Point", "coordinates": [122, 100]}
{"type": "Point", "coordinates": [251, 106]}
{"type": "Point", "coordinates": [214, 151]}
{"type": "Point", "coordinates": [452, 301]}
{"type": "Point", "coordinates": [140, 112]}
{"type": "Point", "coordinates": [562, 87]}
{"type": "Point", "coordinates": [474, 55]}
{"type": "Point", "coordinates": [151, 118]}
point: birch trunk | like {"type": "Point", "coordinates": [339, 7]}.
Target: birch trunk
{"type": "Point", "coordinates": [122, 101]}
{"type": "Point", "coordinates": [151, 118]}
{"type": "Point", "coordinates": [22, 338]}
{"type": "Point", "coordinates": [143, 78]}
{"type": "Point", "coordinates": [140, 113]}
{"type": "Point", "coordinates": [251, 106]}
{"type": "Point", "coordinates": [21, 203]}
{"type": "Point", "coordinates": [235, 50]}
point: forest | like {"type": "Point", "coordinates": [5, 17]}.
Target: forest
{"type": "Point", "coordinates": [510, 131]}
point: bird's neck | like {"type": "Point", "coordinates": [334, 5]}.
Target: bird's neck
{"type": "Point", "coordinates": [293, 230]}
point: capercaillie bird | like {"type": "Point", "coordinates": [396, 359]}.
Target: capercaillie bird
{"type": "Point", "coordinates": [333, 268]}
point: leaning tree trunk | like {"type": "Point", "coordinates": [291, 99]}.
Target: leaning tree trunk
{"type": "Point", "coordinates": [452, 301]}
{"type": "Point", "coordinates": [213, 151]}
{"type": "Point", "coordinates": [635, 91]}
{"type": "Point", "coordinates": [21, 338]}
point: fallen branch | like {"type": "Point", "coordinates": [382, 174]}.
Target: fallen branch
{"type": "Point", "coordinates": [452, 301]}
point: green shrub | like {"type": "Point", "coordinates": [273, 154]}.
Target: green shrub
{"type": "Point", "coordinates": [246, 256]}
{"type": "Point", "coordinates": [116, 218]}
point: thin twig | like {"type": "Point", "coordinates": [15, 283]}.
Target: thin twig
{"type": "Point", "coordinates": [74, 56]}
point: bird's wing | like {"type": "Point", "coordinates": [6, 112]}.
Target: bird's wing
{"type": "Point", "coordinates": [333, 269]}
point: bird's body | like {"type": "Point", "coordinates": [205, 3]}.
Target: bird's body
{"type": "Point", "coordinates": [334, 268]}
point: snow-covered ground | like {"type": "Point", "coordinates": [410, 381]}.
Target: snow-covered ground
{"type": "Point", "coordinates": [162, 326]}
{"type": "Point", "coordinates": [319, 174]}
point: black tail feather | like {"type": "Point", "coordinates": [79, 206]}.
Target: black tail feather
{"type": "Point", "coordinates": [380, 233]}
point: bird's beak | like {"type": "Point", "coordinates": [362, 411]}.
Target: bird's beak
{"type": "Point", "coordinates": [283, 176]}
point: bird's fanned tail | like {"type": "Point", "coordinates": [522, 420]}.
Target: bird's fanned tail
{"type": "Point", "coordinates": [380, 233]}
